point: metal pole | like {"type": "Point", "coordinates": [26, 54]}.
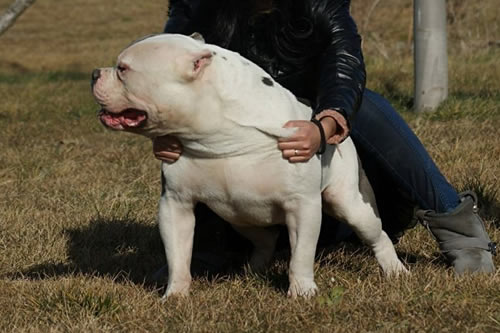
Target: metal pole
{"type": "Point", "coordinates": [10, 16]}
{"type": "Point", "coordinates": [430, 54]}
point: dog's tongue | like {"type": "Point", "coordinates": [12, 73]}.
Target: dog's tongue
{"type": "Point", "coordinates": [127, 119]}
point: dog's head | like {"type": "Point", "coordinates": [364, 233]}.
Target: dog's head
{"type": "Point", "coordinates": [151, 89]}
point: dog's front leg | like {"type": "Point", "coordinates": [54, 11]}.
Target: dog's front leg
{"type": "Point", "coordinates": [303, 220]}
{"type": "Point", "coordinates": [176, 223]}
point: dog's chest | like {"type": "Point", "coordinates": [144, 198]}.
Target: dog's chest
{"type": "Point", "coordinates": [240, 190]}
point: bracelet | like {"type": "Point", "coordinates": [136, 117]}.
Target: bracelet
{"type": "Point", "coordinates": [342, 128]}
{"type": "Point", "coordinates": [322, 146]}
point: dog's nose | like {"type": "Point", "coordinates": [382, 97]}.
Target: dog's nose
{"type": "Point", "coordinates": [96, 74]}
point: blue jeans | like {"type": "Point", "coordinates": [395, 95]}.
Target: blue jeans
{"type": "Point", "coordinates": [401, 172]}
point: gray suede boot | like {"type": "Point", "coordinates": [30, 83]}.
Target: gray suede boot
{"type": "Point", "coordinates": [462, 236]}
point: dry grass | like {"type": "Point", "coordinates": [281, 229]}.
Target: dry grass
{"type": "Point", "coordinates": [78, 240]}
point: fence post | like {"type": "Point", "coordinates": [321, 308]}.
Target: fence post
{"type": "Point", "coordinates": [430, 54]}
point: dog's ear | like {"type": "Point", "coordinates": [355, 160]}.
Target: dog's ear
{"type": "Point", "coordinates": [199, 61]}
{"type": "Point", "coordinates": [197, 36]}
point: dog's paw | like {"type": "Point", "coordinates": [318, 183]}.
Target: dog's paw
{"type": "Point", "coordinates": [396, 269]}
{"type": "Point", "coordinates": [302, 288]}
{"type": "Point", "coordinates": [177, 289]}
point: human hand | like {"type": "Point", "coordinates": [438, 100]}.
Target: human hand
{"type": "Point", "coordinates": [306, 140]}
{"type": "Point", "coordinates": [167, 148]}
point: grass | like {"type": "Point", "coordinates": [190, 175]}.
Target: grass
{"type": "Point", "coordinates": [78, 238]}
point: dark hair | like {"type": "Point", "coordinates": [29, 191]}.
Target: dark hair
{"type": "Point", "coordinates": [290, 33]}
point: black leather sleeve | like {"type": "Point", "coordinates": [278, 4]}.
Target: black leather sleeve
{"type": "Point", "coordinates": [341, 67]}
{"type": "Point", "coordinates": [180, 13]}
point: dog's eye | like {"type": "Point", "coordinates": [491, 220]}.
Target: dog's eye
{"type": "Point", "coordinates": [121, 68]}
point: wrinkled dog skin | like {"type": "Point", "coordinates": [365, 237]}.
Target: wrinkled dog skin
{"type": "Point", "coordinates": [228, 113]}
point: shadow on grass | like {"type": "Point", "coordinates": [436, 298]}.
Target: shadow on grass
{"type": "Point", "coordinates": [130, 250]}
{"type": "Point", "coordinates": [117, 248]}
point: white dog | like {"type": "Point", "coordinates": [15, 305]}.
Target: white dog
{"type": "Point", "coordinates": [228, 113]}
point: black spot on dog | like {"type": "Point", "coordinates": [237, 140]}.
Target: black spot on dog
{"type": "Point", "coordinates": [214, 53]}
{"type": "Point", "coordinates": [163, 183]}
{"type": "Point", "coordinates": [224, 58]}
{"type": "Point", "coordinates": [246, 63]}
{"type": "Point", "coordinates": [267, 81]}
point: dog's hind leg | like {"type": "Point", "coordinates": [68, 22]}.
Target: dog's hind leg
{"type": "Point", "coordinates": [264, 242]}
{"type": "Point", "coordinates": [353, 201]}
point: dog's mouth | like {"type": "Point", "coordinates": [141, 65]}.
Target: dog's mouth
{"type": "Point", "coordinates": [126, 119]}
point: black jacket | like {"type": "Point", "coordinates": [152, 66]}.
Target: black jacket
{"type": "Point", "coordinates": [311, 47]}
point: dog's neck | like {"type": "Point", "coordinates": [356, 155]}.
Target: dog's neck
{"type": "Point", "coordinates": [231, 124]}
{"type": "Point", "coordinates": [228, 142]}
